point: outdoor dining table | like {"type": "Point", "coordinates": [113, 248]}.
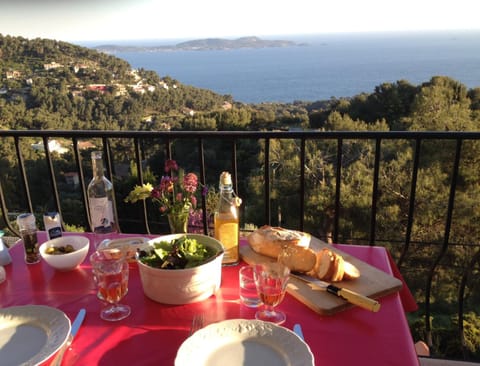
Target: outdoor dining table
{"type": "Point", "coordinates": [153, 332]}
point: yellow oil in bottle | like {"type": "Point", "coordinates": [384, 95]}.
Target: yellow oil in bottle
{"type": "Point", "coordinates": [226, 220]}
{"type": "Point", "coordinates": [226, 231]}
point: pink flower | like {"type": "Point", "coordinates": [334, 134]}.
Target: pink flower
{"type": "Point", "coordinates": [190, 182]}
{"type": "Point", "coordinates": [167, 184]}
{"type": "Point", "coordinates": [179, 197]}
{"type": "Point", "coordinates": [193, 199]}
{"type": "Point", "coordinates": [164, 183]}
{"type": "Point", "coordinates": [155, 193]}
{"type": "Point", "coordinates": [170, 165]}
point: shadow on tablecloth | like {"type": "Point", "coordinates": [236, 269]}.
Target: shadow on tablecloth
{"type": "Point", "coordinates": [138, 349]}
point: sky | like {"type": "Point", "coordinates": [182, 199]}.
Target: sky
{"type": "Point", "coordinates": [91, 20]}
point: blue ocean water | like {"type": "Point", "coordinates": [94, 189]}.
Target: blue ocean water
{"type": "Point", "coordinates": [333, 65]}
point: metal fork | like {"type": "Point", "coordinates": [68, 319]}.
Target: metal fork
{"type": "Point", "coordinates": [197, 323]}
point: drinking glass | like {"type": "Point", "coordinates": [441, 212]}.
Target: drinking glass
{"type": "Point", "coordinates": [247, 288]}
{"type": "Point", "coordinates": [110, 272]}
{"type": "Point", "coordinates": [271, 281]}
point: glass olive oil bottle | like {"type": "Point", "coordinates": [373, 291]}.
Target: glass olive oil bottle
{"type": "Point", "coordinates": [226, 220]}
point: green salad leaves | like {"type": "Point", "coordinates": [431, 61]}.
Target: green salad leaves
{"type": "Point", "coordinates": [176, 254]}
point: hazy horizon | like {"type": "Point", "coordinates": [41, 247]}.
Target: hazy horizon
{"type": "Point", "coordinates": [118, 20]}
{"type": "Point", "coordinates": [295, 38]}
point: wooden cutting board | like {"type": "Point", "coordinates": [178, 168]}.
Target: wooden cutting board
{"type": "Point", "coordinates": [372, 282]}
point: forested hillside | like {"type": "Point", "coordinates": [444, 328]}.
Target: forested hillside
{"type": "Point", "coordinates": [51, 84]}
{"type": "Point", "coordinates": [47, 84]}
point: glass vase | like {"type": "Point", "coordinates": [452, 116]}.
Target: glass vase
{"type": "Point", "coordinates": [178, 221]}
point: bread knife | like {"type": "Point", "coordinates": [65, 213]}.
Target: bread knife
{"type": "Point", "coordinates": [346, 294]}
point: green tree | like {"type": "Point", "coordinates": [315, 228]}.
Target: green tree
{"type": "Point", "coordinates": [441, 105]}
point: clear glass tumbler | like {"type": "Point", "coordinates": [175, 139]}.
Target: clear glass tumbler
{"type": "Point", "coordinates": [247, 288]}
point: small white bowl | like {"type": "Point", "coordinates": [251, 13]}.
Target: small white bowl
{"type": "Point", "coordinates": [183, 286]}
{"type": "Point", "coordinates": [66, 261]}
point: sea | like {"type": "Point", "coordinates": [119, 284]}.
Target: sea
{"type": "Point", "coordinates": [321, 67]}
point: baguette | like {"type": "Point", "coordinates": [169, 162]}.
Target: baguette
{"type": "Point", "coordinates": [339, 269]}
{"type": "Point", "coordinates": [291, 248]}
{"type": "Point", "coordinates": [298, 259]}
{"type": "Point", "coordinates": [270, 241]}
{"type": "Point", "coordinates": [325, 265]}
{"type": "Point", "coordinates": [332, 267]}
{"type": "Point", "coordinates": [351, 272]}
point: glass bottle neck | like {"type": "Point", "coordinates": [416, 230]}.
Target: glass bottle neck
{"type": "Point", "coordinates": [97, 165]}
{"type": "Point", "coordinates": [226, 189]}
{"type": "Point", "coordinates": [227, 197]}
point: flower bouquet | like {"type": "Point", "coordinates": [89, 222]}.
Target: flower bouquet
{"type": "Point", "coordinates": [175, 195]}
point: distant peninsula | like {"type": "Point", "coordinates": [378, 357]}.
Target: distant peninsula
{"type": "Point", "coordinates": [202, 45]}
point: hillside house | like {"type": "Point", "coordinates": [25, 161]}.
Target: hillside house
{"type": "Point", "coordinates": [101, 88]}
{"type": "Point", "coordinates": [84, 145]}
{"type": "Point", "coordinates": [78, 67]}
{"type": "Point", "coordinates": [53, 146]}
{"type": "Point", "coordinates": [135, 75]}
{"type": "Point", "coordinates": [52, 65]}
{"type": "Point", "coordinates": [72, 179]}
{"type": "Point", "coordinates": [188, 112]}
{"type": "Point", "coordinates": [13, 74]}
{"type": "Point", "coordinates": [120, 90]}
{"type": "Point", "coordinates": [76, 93]}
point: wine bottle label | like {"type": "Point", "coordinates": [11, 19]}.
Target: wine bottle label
{"type": "Point", "coordinates": [101, 214]}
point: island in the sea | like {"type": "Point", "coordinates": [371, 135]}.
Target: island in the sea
{"type": "Point", "coordinates": [202, 45]}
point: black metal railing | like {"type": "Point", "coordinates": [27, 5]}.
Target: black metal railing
{"type": "Point", "coordinates": [141, 140]}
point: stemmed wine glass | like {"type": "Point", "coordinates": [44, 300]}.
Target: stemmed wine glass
{"type": "Point", "coordinates": [110, 272]}
{"type": "Point", "coordinates": [271, 282]}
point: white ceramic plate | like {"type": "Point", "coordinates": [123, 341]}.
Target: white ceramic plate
{"type": "Point", "coordinates": [31, 334]}
{"type": "Point", "coordinates": [130, 244]}
{"type": "Point", "coordinates": [244, 342]}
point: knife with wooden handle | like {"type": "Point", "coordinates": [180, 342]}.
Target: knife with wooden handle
{"type": "Point", "coordinates": [346, 294]}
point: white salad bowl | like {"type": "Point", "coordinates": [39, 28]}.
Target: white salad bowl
{"type": "Point", "coordinates": [183, 286]}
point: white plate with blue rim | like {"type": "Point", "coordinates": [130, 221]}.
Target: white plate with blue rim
{"type": "Point", "coordinates": [31, 334]}
{"type": "Point", "coordinates": [242, 342]}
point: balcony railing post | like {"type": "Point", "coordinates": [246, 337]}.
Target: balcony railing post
{"type": "Point", "coordinates": [5, 212]}
{"type": "Point", "coordinates": [266, 177]}
{"type": "Point", "coordinates": [446, 238]}
{"type": "Point", "coordinates": [411, 206]}
{"type": "Point", "coordinates": [201, 157]}
{"type": "Point", "coordinates": [140, 181]}
{"type": "Point", "coordinates": [23, 174]}
{"type": "Point", "coordinates": [53, 181]}
{"type": "Point", "coordinates": [81, 178]}
{"type": "Point", "coordinates": [338, 180]}
{"type": "Point", "coordinates": [376, 170]}
{"type": "Point", "coordinates": [302, 184]}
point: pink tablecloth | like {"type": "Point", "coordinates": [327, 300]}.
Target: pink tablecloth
{"type": "Point", "coordinates": [153, 332]}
